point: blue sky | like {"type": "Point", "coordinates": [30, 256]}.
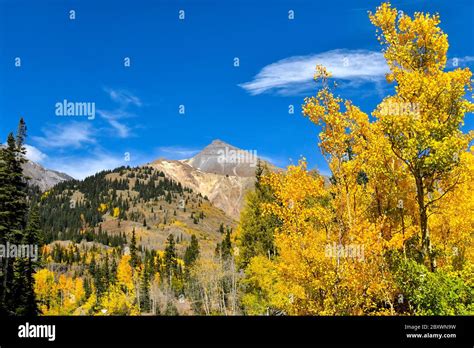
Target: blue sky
{"type": "Point", "coordinates": [190, 62]}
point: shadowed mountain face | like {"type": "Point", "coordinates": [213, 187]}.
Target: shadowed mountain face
{"type": "Point", "coordinates": [222, 172]}
{"type": "Point", "coordinates": [42, 177]}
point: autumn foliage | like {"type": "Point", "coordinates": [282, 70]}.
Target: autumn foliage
{"type": "Point", "coordinates": [391, 232]}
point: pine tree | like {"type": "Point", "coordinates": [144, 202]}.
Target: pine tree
{"type": "Point", "coordinates": [226, 246]}
{"type": "Point", "coordinates": [192, 252]}
{"type": "Point", "coordinates": [170, 257]}
{"type": "Point", "coordinates": [106, 272]}
{"type": "Point", "coordinates": [255, 233]}
{"type": "Point", "coordinates": [87, 287]}
{"type": "Point", "coordinates": [13, 211]}
{"type": "Point", "coordinates": [99, 281]}
{"type": "Point", "coordinates": [144, 292]}
{"type": "Point", "coordinates": [33, 237]}
{"type": "Point", "coordinates": [92, 265]}
{"type": "Point", "coordinates": [113, 271]}
{"type": "Point", "coordinates": [134, 261]}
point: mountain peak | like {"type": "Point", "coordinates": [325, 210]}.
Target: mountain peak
{"type": "Point", "coordinates": [217, 142]}
{"type": "Point", "coordinates": [222, 158]}
{"type": "Point", "coordinates": [220, 143]}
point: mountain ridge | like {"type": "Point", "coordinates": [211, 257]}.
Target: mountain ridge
{"type": "Point", "coordinates": [42, 177]}
{"type": "Point", "coordinates": [220, 171]}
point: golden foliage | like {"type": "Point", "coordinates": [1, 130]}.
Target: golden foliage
{"type": "Point", "coordinates": [401, 184]}
{"type": "Point", "coordinates": [58, 295]}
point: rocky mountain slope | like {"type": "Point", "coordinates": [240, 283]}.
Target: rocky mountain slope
{"type": "Point", "coordinates": [42, 177]}
{"type": "Point", "coordinates": [224, 159]}
{"type": "Point", "coordinates": [221, 172]}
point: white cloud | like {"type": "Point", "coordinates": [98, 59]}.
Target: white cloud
{"type": "Point", "coordinates": [176, 152]}
{"type": "Point", "coordinates": [123, 97]}
{"type": "Point", "coordinates": [112, 117]}
{"type": "Point", "coordinates": [294, 75]}
{"type": "Point", "coordinates": [81, 167]}
{"type": "Point", "coordinates": [71, 135]}
{"type": "Point", "coordinates": [33, 154]}
{"type": "Point", "coordinates": [123, 130]}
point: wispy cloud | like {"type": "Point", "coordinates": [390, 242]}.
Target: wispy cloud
{"type": "Point", "coordinates": [115, 117]}
{"type": "Point", "coordinates": [70, 135]}
{"type": "Point", "coordinates": [80, 167]}
{"type": "Point", "coordinates": [294, 75]}
{"type": "Point", "coordinates": [123, 97]}
{"type": "Point", "coordinates": [176, 152]}
{"type": "Point", "coordinates": [34, 154]}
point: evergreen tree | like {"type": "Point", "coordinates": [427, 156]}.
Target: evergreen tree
{"type": "Point", "coordinates": [13, 211]}
{"type": "Point", "coordinates": [106, 272]}
{"type": "Point", "coordinates": [134, 261]}
{"type": "Point", "coordinates": [256, 230]}
{"type": "Point", "coordinates": [226, 246]}
{"type": "Point", "coordinates": [170, 257]}
{"type": "Point", "coordinates": [99, 281]}
{"type": "Point", "coordinates": [151, 264]}
{"type": "Point", "coordinates": [87, 287]}
{"type": "Point", "coordinates": [33, 238]}
{"type": "Point", "coordinates": [92, 266]}
{"type": "Point", "coordinates": [192, 252]}
{"type": "Point", "coordinates": [145, 304]}
{"type": "Point", "coordinates": [113, 271]}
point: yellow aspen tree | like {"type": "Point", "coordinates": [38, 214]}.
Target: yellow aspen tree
{"type": "Point", "coordinates": [311, 274]}
{"type": "Point", "coordinates": [120, 298]}
{"type": "Point", "coordinates": [422, 119]}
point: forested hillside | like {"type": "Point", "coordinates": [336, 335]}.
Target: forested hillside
{"type": "Point", "coordinates": [132, 214]}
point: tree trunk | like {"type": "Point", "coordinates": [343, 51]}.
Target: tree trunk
{"type": "Point", "coordinates": [425, 233]}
